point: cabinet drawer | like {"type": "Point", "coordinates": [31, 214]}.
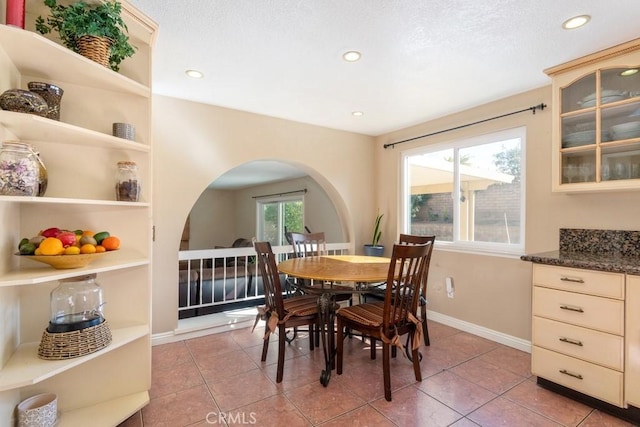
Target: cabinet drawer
{"type": "Point", "coordinates": [602, 314]}
{"type": "Point", "coordinates": [586, 344]}
{"type": "Point", "coordinates": [602, 383]}
{"type": "Point", "coordinates": [590, 282]}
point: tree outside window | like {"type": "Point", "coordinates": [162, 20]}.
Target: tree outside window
{"type": "Point", "coordinates": [275, 216]}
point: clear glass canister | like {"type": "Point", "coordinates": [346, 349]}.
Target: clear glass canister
{"type": "Point", "coordinates": [76, 304]}
{"type": "Point", "coordinates": [20, 170]}
{"type": "Point", "coordinates": [127, 182]}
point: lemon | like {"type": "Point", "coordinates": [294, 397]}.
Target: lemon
{"type": "Point", "coordinates": [72, 250]}
{"type": "Point", "coordinates": [51, 246]}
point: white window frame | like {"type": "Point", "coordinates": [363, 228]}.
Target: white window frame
{"type": "Point", "coordinates": [498, 249]}
{"type": "Point", "coordinates": [267, 200]}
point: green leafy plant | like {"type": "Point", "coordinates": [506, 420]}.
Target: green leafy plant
{"type": "Point", "coordinates": [377, 233]}
{"type": "Point", "coordinates": [81, 19]}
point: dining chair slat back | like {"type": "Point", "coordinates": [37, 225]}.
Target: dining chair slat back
{"type": "Point", "coordinates": [308, 244]}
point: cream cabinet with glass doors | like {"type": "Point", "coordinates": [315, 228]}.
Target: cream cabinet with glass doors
{"type": "Point", "coordinates": [105, 387]}
{"type": "Point", "coordinates": [596, 121]}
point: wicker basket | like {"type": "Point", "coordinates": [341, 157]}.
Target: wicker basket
{"type": "Point", "coordinates": [67, 345]}
{"type": "Point", "coordinates": [95, 48]}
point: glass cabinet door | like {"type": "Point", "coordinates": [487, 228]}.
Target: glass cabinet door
{"type": "Point", "coordinates": [600, 127]}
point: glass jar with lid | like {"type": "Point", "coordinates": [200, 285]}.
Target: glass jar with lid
{"type": "Point", "coordinates": [21, 170]}
{"type": "Point", "coordinates": [76, 304]}
{"type": "Point", "coordinates": [127, 182]}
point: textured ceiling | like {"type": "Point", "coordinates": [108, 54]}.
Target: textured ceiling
{"type": "Point", "coordinates": [422, 59]}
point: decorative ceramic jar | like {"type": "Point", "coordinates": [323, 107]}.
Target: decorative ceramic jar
{"type": "Point", "coordinates": [23, 101]}
{"type": "Point", "coordinates": [52, 95]}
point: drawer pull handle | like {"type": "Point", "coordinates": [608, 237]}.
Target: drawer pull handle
{"type": "Point", "coordinates": [571, 279]}
{"type": "Point", "coordinates": [571, 374]}
{"type": "Point", "coordinates": [570, 341]}
{"type": "Point", "coordinates": [570, 308]}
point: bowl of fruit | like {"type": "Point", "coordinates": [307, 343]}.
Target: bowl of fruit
{"type": "Point", "coordinates": [62, 249]}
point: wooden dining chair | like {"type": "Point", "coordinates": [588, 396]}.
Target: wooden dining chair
{"type": "Point", "coordinates": [312, 244]}
{"type": "Point", "coordinates": [308, 244]}
{"type": "Point", "coordinates": [397, 316]}
{"type": "Point", "coordinates": [278, 312]}
{"type": "Point", "coordinates": [411, 239]}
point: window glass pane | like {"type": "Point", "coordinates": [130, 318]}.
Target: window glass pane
{"type": "Point", "coordinates": [292, 217]}
{"type": "Point", "coordinates": [468, 193]}
{"type": "Point", "coordinates": [431, 184]}
{"type": "Point", "coordinates": [269, 222]}
{"type": "Point", "coordinates": [274, 217]}
{"type": "Point", "coordinates": [490, 192]}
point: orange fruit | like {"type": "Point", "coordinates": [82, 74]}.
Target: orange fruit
{"type": "Point", "coordinates": [87, 233]}
{"type": "Point", "coordinates": [100, 249]}
{"type": "Point", "coordinates": [88, 249]}
{"type": "Point", "coordinates": [51, 246]}
{"type": "Point", "coordinates": [111, 243]}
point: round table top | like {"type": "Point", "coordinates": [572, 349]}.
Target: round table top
{"type": "Point", "coordinates": [348, 268]}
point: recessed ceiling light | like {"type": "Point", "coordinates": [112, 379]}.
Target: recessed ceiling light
{"type": "Point", "coordinates": [351, 56]}
{"type": "Point", "coordinates": [357, 113]}
{"type": "Point", "coordinates": [629, 72]}
{"type": "Point", "coordinates": [194, 74]}
{"type": "Point", "coordinates": [575, 22]}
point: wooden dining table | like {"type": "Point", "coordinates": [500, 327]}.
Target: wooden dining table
{"type": "Point", "coordinates": [331, 275]}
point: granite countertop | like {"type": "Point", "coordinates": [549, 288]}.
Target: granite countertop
{"type": "Point", "coordinates": [605, 250]}
{"type": "Point", "coordinates": [592, 261]}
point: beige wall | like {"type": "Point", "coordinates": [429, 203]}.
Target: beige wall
{"type": "Point", "coordinates": [194, 144]}
{"type": "Point", "coordinates": [221, 216]}
{"type": "Point", "coordinates": [495, 292]}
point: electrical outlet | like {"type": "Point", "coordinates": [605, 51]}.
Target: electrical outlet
{"type": "Point", "coordinates": [449, 285]}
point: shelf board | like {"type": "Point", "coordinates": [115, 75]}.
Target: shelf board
{"type": "Point", "coordinates": [36, 55]}
{"type": "Point", "coordinates": [35, 129]}
{"type": "Point", "coordinates": [68, 201]}
{"type": "Point", "coordinates": [107, 413]}
{"type": "Point", "coordinates": [25, 368]}
{"type": "Point", "coordinates": [32, 272]}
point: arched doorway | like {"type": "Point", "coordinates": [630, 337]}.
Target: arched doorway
{"type": "Point", "coordinates": [227, 215]}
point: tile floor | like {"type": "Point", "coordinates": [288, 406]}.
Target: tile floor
{"type": "Point", "coordinates": [466, 381]}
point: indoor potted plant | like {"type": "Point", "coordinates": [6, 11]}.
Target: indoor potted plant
{"type": "Point", "coordinates": [374, 248]}
{"type": "Point", "coordinates": [96, 31]}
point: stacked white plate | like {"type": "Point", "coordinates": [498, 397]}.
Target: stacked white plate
{"type": "Point", "coordinates": [606, 97]}
{"type": "Point", "coordinates": [625, 130]}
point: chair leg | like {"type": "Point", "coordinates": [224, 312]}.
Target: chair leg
{"type": "Point", "coordinates": [281, 347]}
{"type": "Point", "coordinates": [339, 347]}
{"type": "Point", "coordinates": [425, 329]}
{"type": "Point", "coordinates": [311, 336]}
{"type": "Point", "coordinates": [415, 356]}
{"type": "Point", "coordinates": [386, 370]}
{"type": "Point", "coordinates": [265, 345]}
{"type": "Point", "coordinates": [373, 348]}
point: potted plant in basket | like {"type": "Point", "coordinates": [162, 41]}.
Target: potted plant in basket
{"type": "Point", "coordinates": [96, 31]}
{"type": "Point", "coordinates": [374, 248]}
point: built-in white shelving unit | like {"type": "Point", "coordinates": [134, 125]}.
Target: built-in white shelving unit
{"type": "Point", "coordinates": [105, 387]}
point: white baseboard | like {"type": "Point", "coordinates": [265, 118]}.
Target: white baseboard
{"type": "Point", "coordinates": [244, 318]}
{"type": "Point", "coordinates": [472, 328]}
{"type": "Point", "coordinates": [195, 327]}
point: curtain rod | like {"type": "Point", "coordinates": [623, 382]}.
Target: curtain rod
{"type": "Point", "coordinates": [540, 107]}
{"type": "Point", "coordinates": [304, 190]}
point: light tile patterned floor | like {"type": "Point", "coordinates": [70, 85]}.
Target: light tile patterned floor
{"type": "Point", "coordinates": [467, 381]}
